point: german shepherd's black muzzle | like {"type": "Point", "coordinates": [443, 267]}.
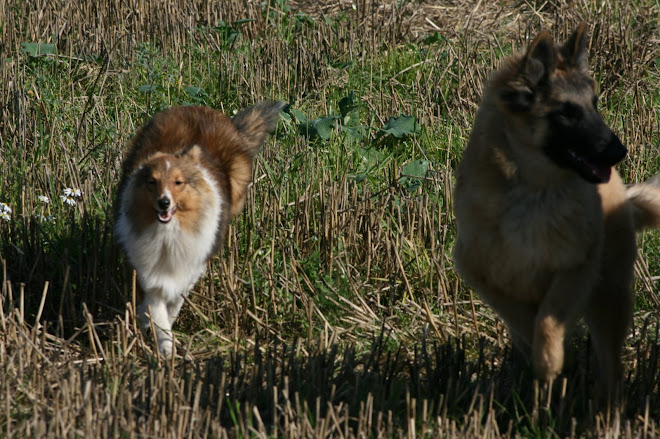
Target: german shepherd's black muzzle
{"type": "Point", "coordinates": [580, 140]}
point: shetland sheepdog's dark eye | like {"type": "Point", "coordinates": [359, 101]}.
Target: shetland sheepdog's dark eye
{"type": "Point", "coordinates": [178, 182]}
{"type": "Point", "coordinates": [151, 181]}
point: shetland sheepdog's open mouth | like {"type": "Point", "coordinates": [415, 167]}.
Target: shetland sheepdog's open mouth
{"type": "Point", "coordinates": [164, 216]}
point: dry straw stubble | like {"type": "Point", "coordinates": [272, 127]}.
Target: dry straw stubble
{"type": "Point", "coordinates": [335, 310]}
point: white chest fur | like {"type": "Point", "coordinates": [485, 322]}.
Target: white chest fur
{"type": "Point", "coordinates": [167, 258]}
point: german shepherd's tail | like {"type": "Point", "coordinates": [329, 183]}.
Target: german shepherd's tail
{"type": "Point", "coordinates": [645, 201]}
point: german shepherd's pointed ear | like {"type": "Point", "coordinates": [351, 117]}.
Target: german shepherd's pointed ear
{"type": "Point", "coordinates": [257, 122]}
{"type": "Point", "coordinates": [574, 51]}
{"type": "Point", "coordinates": [540, 60]}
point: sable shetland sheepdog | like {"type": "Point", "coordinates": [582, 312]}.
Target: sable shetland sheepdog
{"type": "Point", "coordinates": [184, 177]}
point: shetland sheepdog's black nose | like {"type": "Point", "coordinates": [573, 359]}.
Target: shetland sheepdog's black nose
{"type": "Point", "coordinates": [164, 203]}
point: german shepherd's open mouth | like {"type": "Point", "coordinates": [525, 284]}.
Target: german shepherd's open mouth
{"type": "Point", "coordinates": [581, 141]}
{"type": "Point", "coordinates": [591, 171]}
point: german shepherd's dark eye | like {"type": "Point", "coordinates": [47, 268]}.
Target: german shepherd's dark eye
{"type": "Point", "coordinates": [526, 97]}
{"type": "Point", "coordinates": [568, 113]}
{"type": "Point", "coordinates": [519, 99]}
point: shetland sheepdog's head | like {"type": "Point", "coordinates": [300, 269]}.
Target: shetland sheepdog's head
{"type": "Point", "coordinates": [170, 186]}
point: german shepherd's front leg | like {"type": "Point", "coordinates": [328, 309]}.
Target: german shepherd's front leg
{"type": "Point", "coordinates": [610, 308]}
{"type": "Point", "coordinates": [518, 316]}
{"type": "Point", "coordinates": [560, 308]}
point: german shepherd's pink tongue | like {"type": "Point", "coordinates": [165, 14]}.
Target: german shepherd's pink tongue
{"type": "Point", "coordinates": [164, 216]}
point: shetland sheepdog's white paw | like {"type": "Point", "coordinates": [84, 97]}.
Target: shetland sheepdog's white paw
{"type": "Point", "coordinates": [166, 347]}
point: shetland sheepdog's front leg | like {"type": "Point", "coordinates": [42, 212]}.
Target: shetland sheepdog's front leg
{"type": "Point", "coordinates": [174, 306]}
{"type": "Point", "coordinates": [154, 308]}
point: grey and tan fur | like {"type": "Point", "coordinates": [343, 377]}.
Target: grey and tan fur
{"type": "Point", "coordinates": [546, 228]}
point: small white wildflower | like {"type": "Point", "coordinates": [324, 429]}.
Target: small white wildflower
{"type": "Point", "coordinates": [70, 196]}
{"type": "Point", "coordinates": [44, 199]}
{"type": "Point", "coordinates": [5, 212]}
{"type": "Point", "coordinates": [45, 219]}
{"type": "Point", "coordinates": [68, 199]}
{"type": "Point", "coordinates": [70, 192]}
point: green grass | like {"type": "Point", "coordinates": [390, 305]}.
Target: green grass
{"type": "Point", "coordinates": [334, 307]}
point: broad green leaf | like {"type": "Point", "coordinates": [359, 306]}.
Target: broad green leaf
{"type": "Point", "coordinates": [195, 92]}
{"type": "Point", "coordinates": [401, 126]}
{"type": "Point", "coordinates": [347, 104]}
{"type": "Point", "coordinates": [435, 37]}
{"type": "Point", "coordinates": [351, 119]}
{"type": "Point", "coordinates": [299, 115]}
{"type": "Point", "coordinates": [369, 161]}
{"type": "Point", "coordinates": [228, 32]}
{"type": "Point", "coordinates": [321, 127]}
{"type": "Point", "coordinates": [371, 158]}
{"type": "Point", "coordinates": [37, 49]}
{"type": "Point", "coordinates": [413, 174]}
{"type": "Point", "coordinates": [354, 132]}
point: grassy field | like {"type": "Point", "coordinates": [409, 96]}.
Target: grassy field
{"type": "Point", "coordinates": [334, 309]}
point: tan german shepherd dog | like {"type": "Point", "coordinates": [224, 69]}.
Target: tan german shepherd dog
{"type": "Point", "coordinates": [546, 228]}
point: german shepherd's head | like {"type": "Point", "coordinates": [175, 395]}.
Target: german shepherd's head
{"type": "Point", "coordinates": [550, 90]}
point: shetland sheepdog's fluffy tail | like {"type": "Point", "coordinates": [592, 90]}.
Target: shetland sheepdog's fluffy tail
{"type": "Point", "coordinates": [254, 124]}
{"type": "Point", "coordinates": [257, 122]}
{"type": "Point", "coordinates": [645, 201]}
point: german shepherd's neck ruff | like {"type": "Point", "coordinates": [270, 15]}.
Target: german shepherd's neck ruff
{"type": "Point", "coordinates": [546, 228]}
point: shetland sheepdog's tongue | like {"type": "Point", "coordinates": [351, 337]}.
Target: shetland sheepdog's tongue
{"type": "Point", "coordinates": [166, 215]}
